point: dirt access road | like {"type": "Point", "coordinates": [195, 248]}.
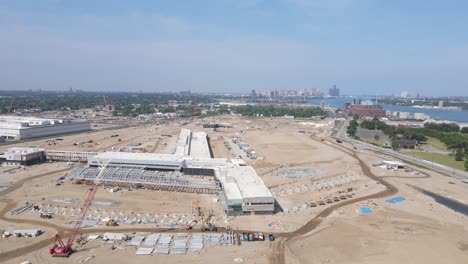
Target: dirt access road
{"type": "Point", "coordinates": [278, 255]}
{"type": "Point", "coordinates": [278, 247]}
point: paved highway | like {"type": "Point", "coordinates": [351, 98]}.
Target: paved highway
{"type": "Point", "coordinates": [342, 135]}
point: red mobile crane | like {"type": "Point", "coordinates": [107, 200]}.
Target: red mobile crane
{"type": "Point", "coordinates": [60, 249]}
{"type": "Point", "coordinates": [191, 224]}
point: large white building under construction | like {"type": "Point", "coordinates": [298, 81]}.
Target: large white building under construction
{"type": "Point", "coordinates": [190, 168]}
{"type": "Point", "coordinates": [19, 127]}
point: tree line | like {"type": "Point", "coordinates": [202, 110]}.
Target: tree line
{"type": "Point", "coordinates": [450, 134]}
{"type": "Point", "coordinates": [273, 111]}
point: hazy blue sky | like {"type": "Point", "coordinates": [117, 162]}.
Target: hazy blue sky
{"type": "Point", "coordinates": [364, 46]}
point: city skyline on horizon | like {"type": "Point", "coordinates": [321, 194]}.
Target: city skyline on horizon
{"type": "Point", "coordinates": [365, 47]}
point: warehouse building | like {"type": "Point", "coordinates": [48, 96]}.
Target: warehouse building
{"type": "Point", "coordinates": [241, 190]}
{"type": "Point", "coordinates": [190, 168]}
{"type": "Point", "coordinates": [17, 128]}
{"type": "Point", "coordinates": [244, 191]}
{"type": "Point", "coordinates": [22, 156]}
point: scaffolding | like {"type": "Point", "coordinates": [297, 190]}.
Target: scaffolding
{"type": "Point", "coordinates": [127, 176]}
{"type": "Point", "coordinates": [69, 155]}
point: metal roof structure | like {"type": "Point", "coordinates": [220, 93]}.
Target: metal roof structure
{"type": "Point", "coordinates": [240, 184]}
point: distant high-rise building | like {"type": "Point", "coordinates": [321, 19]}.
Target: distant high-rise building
{"type": "Point", "coordinates": [441, 104]}
{"type": "Point", "coordinates": [404, 94]}
{"type": "Point", "coordinates": [185, 93]}
{"type": "Point", "coordinates": [334, 91]}
{"type": "Point", "coordinates": [253, 93]}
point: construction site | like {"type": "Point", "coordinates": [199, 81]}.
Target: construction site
{"type": "Point", "coordinates": [256, 190]}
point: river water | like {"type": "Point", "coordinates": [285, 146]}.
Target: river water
{"type": "Point", "coordinates": [450, 115]}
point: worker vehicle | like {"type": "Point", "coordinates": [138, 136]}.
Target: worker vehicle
{"type": "Point", "coordinates": [207, 225]}
{"type": "Point", "coordinates": [46, 216]}
{"type": "Point", "coordinates": [261, 237]}
{"type": "Point", "coordinates": [111, 223]}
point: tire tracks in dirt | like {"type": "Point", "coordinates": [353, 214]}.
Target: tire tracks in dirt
{"type": "Point", "coordinates": [278, 248]}
{"type": "Point", "coordinates": [278, 256]}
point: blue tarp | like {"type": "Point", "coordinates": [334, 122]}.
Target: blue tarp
{"type": "Point", "coordinates": [399, 199]}
{"type": "Point", "coordinates": [366, 210]}
{"type": "Point", "coordinates": [396, 200]}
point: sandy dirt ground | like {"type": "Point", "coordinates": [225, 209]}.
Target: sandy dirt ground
{"type": "Point", "coordinates": [417, 230]}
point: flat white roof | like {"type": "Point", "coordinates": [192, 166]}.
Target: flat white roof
{"type": "Point", "coordinates": [199, 145]}
{"type": "Point", "coordinates": [250, 184]}
{"type": "Point", "coordinates": [230, 187]}
{"type": "Point", "coordinates": [390, 162]}
{"type": "Point", "coordinates": [140, 157]}
{"type": "Point", "coordinates": [241, 182]}
{"type": "Point", "coordinates": [24, 150]}
{"type": "Point", "coordinates": [183, 142]}
{"type": "Point", "coordinates": [205, 163]}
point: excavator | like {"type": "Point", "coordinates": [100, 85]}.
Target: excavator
{"type": "Point", "coordinates": [207, 225]}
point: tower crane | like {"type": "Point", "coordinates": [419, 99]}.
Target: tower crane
{"type": "Point", "coordinates": [61, 249]}
{"type": "Point", "coordinates": [106, 107]}
{"type": "Point", "coordinates": [11, 105]}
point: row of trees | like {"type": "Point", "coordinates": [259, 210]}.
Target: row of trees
{"type": "Point", "coordinates": [127, 104]}
{"type": "Point", "coordinates": [393, 131]}
{"type": "Point", "coordinates": [352, 127]}
{"type": "Point", "coordinates": [272, 111]}
{"type": "Point", "coordinates": [444, 127]}
{"type": "Point", "coordinates": [448, 133]}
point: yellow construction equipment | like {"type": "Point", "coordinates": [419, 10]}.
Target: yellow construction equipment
{"type": "Point", "coordinates": [111, 223]}
{"type": "Point", "coordinates": [207, 225]}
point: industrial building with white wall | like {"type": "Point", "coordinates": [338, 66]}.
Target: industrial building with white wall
{"type": "Point", "coordinates": [18, 128]}
{"type": "Point", "coordinates": [190, 168]}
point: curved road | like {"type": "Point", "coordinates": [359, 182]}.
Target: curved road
{"type": "Point", "coordinates": [278, 255]}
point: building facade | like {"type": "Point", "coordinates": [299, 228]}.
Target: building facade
{"type": "Point", "coordinates": [18, 128]}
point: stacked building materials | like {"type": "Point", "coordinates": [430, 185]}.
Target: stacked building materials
{"type": "Point", "coordinates": [144, 251]}
{"type": "Point", "coordinates": [214, 239]}
{"type": "Point", "coordinates": [230, 238]}
{"type": "Point", "coordinates": [196, 243]}
{"type": "Point", "coordinates": [179, 247]}
{"type": "Point", "coordinates": [163, 244]}
{"type": "Point", "coordinates": [136, 240]}
{"type": "Point", "coordinates": [151, 240]}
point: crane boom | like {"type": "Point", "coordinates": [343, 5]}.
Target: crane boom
{"type": "Point", "coordinates": [84, 209]}
{"type": "Point", "coordinates": [11, 105]}
{"type": "Point", "coordinates": [64, 250]}
{"type": "Point", "coordinates": [105, 101]}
